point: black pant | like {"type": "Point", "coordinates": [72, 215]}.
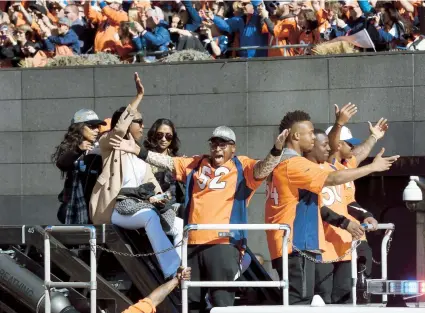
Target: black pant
{"type": "Point", "coordinates": [333, 282]}
{"type": "Point", "coordinates": [212, 262]}
{"type": "Point", "coordinates": [301, 278]}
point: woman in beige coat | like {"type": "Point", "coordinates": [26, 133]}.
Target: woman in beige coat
{"type": "Point", "coordinates": [124, 170]}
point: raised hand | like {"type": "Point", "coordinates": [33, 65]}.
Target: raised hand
{"type": "Point", "coordinates": [344, 115]}
{"type": "Point", "coordinates": [381, 164]}
{"type": "Point", "coordinates": [139, 86]}
{"type": "Point", "coordinates": [85, 146]}
{"type": "Point", "coordinates": [280, 140]}
{"type": "Point", "coordinates": [379, 129]}
{"type": "Point", "coordinates": [119, 143]}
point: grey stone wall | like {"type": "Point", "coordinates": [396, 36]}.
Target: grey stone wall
{"type": "Point", "coordinates": [36, 106]}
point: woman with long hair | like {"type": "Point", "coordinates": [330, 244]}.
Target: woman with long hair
{"type": "Point", "coordinates": [162, 138]}
{"type": "Point", "coordinates": [123, 172]}
{"type": "Point", "coordinates": [77, 143]}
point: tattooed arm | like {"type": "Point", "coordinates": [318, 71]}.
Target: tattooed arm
{"type": "Point", "coordinates": [263, 168]}
{"type": "Point", "coordinates": [157, 159]}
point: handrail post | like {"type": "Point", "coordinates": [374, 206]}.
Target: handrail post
{"type": "Point", "coordinates": [354, 271]}
{"type": "Point", "coordinates": [93, 264]}
{"type": "Point", "coordinates": [389, 227]}
{"type": "Point", "coordinates": [285, 271]}
{"type": "Point", "coordinates": [185, 285]}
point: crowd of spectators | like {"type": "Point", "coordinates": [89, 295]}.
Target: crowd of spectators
{"type": "Point", "coordinates": [149, 30]}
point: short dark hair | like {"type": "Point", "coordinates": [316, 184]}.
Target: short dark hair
{"type": "Point", "coordinates": [318, 131]}
{"type": "Point", "coordinates": [291, 118]}
{"type": "Point", "coordinates": [116, 116]}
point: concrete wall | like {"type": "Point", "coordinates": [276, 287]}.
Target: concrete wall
{"type": "Point", "coordinates": [36, 106]}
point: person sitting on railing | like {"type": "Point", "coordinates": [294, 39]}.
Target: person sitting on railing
{"type": "Point", "coordinates": [157, 38]}
{"type": "Point", "coordinates": [124, 171]}
{"type": "Point", "coordinates": [219, 187]}
{"type": "Point", "coordinates": [162, 138]}
{"type": "Point", "coordinates": [249, 28]}
{"type": "Point", "coordinates": [292, 192]}
{"type": "Point", "coordinates": [149, 304]}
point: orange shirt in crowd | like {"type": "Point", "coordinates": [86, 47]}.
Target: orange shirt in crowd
{"type": "Point", "coordinates": [213, 198]}
{"type": "Point", "coordinates": [108, 22]}
{"type": "Point", "coordinates": [143, 306]}
{"type": "Point", "coordinates": [292, 198]}
{"type": "Point", "coordinates": [338, 240]}
{"type": "Point", "coordinates": [322, 20]}
{"type": "Point", "coordinates": [284, 30]}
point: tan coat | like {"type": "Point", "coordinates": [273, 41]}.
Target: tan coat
{"type": "Point", "coordinates": [109, 182]}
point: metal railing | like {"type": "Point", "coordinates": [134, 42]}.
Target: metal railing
{"type": "Point", "coordinates": [225, 227]}
{"type": "Point", "coordinates": [384, 254]}
{"type": "Point", "coordinates": [92, 284]}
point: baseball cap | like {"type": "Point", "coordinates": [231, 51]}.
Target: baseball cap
{"type": "Point", "coordinates": [87, 116]}
{"type": "Point", "coordinates": [225, 133]}
{"type": "Point", "coordinates": [64, 21]}
{"type": "Point", "coordinates": [346, 136]}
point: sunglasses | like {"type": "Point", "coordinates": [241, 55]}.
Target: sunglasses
{"type": "Point", "coordinates": [167, 136]}
{"type": "Point", "coordinates": [138, 121]}
{"type": "Point", "coordinates": [221, 144]}
{"type": "Point", "coordinates": [92, 127]}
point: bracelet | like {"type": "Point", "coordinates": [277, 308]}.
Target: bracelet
{"type": "Point", "coordinates": [339, 124]}
{"type": "Point", "coordinates": [374, 137]}
{"type": "Point", "coordinates": [275, 152]}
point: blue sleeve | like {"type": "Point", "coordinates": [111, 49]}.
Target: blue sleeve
{"type": "Point", "coordinates": [158, 39]}
{"type": "Point", "coordinates": [365, 6]}
{"type": "Point", "coordinates": [138, 43]}
{"type": "Point", "coordinates": [102, 4]}
{"type": "Point", "coordinates": [384, 36]}
{"type": "Point", "coordinates": [194, 17]}
{"type": "Point", "coordinates": [223, 43]}
{"type": "Point", "coordinates": [340, 32]}
{"type": "Point", "coordinates": [231, 25]}
{"type": "Point", "coordinates": [49, 45]}
{"type": "Point", "coordinates": [66, 40]}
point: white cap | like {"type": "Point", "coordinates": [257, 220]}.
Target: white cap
{"type": "Point", "coordinates": [346, 136]}
{"type": "Point", "coordinates": [225, 133]}
{"type": "Point", "coordinates": [317, 301]}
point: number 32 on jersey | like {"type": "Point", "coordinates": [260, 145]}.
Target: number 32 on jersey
{"type": "Point", "coordinates": [214, 183]}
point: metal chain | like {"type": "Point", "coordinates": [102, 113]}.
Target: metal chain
{"type": "Point", "coordinates": [140, 254]}
{"type": "Point", "coordinates": [312, 259]}
{"type": "Point", "coordinates": [388, 250]}
{"type": "Point", "coordinates": [300, 252]}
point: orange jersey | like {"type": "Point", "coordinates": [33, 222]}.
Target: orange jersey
{"type": "Point", "coordinates": [217, 195]}
{"type": "Point", "coordinates": [337, 240]}
{"type": "Point", "coordinates": [143, 306]}
{"type": "Point", "coordinates": [292, 198]}
{"type": "Point", "coordinates": [350, 188]}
